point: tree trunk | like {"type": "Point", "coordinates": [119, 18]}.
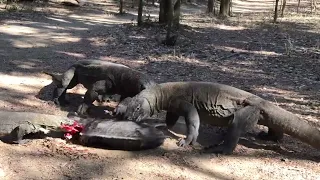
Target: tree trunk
{"type": "Point", "coordinates": [275, 17]}
{"type": "Point", "coordinates": [284, 3]}
{"type": "Point", "coordinates": [170, 20]}
{"type": "Point", "coordinates": [121, 7]}
{"type": "Point", "coordinates": [230, 6]}
{"type": "Point", "coordinates": [176, 14]}
{"type": "Point", "coordinates": [140, 8]}
{"type": "Point", "coordinates": [173, 18]}
{"type": "Point", "coordinates": [210, 6]}
{"type": "Point", "coordinates": [298, 6]}
{"type": "Point", "coordinates": [164, 10]}
{"type": "Point", "coordinates": [224, 7]}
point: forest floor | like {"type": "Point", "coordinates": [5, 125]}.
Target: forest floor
{"type": "Point", "coordinates": [279, 62]}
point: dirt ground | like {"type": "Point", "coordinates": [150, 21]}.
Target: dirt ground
{"type": "Point", "coordinates": [280, 62]}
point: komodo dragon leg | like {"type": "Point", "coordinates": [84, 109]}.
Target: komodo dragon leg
{"type": "Point", "coordinates": [99, 87]}
{"type": "Point", "coordinates": [171, 119]}
{"type": "Point", "coordinates": [190, 113]}
{"type": "Point", "coordinates": [122, 107]}
{"type": "Point", "coordinates": [68, 81]}
{"type": "Point", "coordinates": [243, 120]}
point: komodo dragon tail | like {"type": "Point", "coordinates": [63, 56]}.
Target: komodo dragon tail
{"type": "Point", "coordinates": [285, 121]}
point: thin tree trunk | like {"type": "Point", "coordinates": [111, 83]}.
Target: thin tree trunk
{"type": "Point", "coordinates": [121, 7]}
{"type": "Point", "coordinates": [176, 14]}
{"type": "Point", "coordinates": [210, 6]}
{"type": "Point", "coordinates": [298, 6]}
{"type": "Point", "coordinates": [164, 10]}
{"type": "Point", "coordinates": [230, 6]}
{"type": "Point", "coordinates": [170, 20]}
{"type": "Point", "coordinates": [276, 11]}
{"type": "Point", "coordinates": [284, 3]}
{"type": "Point", "coordinates": [140, 8]}
{"type": "Point", "coordinates": [214, 6]}
{"type": "Point", "coordinates": [224, 7]}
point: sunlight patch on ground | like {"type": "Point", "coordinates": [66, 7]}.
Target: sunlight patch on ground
{"type": "Point", "coordinates": [293, 100]}
{"type": "Point", "coordinates": [33, 37]}
{"type": "Point", "coordinates": [79, 89]}
{"type": "Point", "coordinates": [266, 169]}
{"type": "Point", "coordinates": [65, 39]}
{"type": "Point", "coordinates": [230, 28]}
{"type": "Point", "coordinates": [27, 44]}
{"type": "Point", "coordinates": [165, 169]}
{"type": "Point", "coordinates": [137, 37]}
{"type": "Point", "coordinates": [302, 17]}
{"type": "Point", "coordinates": [41, 40]}
{"type": "Point", "coordinates": [78, 55]}
{"type": "Point", "coordinates": [285, 94]}
{"type": "Point", "coordinates": [22, 89]}
{"type": "Point", "coordinates": [23, 84]}
{"type": "Point", "coordinates": [185, 59]}
{"type": "Point", "coordinates": [100, 42]}
{"type": "Point", "coordinates": [58, 19]}
{"type": "Point", "coordinates": [54, 27]}
{"type": "Point", "coordinates": [145, 13]}
{"type": "Point", "coordinates": [262, 52]}
{"type": "Point", "coordinates": [31, 103]}
{"type": "Point", "coordinates": [274, 90]}
{"type": "Point", "coordinates": [245, 72]}
{"type": "Point", "coordinates": [18, 30]}
{"type": "Point", "coordinates": [93, 19]}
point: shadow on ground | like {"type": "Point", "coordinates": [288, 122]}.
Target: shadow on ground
{"type": "Point", "coordinates": [256, 59]}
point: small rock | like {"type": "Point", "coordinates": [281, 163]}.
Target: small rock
{"type": "Point", "coordinates": [284, 159]}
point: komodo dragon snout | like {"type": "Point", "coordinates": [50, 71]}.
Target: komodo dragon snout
{"type": "Point", "coordinates": [138, 109]}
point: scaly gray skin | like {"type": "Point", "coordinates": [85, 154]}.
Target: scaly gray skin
{"type": "Point", "coordinates": [15, 125]}
{"type": "Point", "coordinates": [122, 107]}
{"type": "Point", "coordinates": [219, 105]}
{"type": "Point", "coordinates": [124, 135]}
{"type": "Point", "coordinates": [127, 135]}
{"type": "Point", "coordinates": [100, 78]}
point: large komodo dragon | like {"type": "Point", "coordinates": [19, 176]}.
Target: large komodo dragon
{"type": "Point", "coordinates": [219, 105]}
{"type": "Point", "coordinates": [100, 78]}
{"type": "Point", "coordinates": [126, 135]}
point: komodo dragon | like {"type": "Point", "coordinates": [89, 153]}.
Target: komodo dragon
{"type": "Point", "coordinates": [100, 78]}
{"type": "Point", "coordinates": [219, 105]}
{"type": "Point", "coordinates": [111, 133]}
{"type": "Point", "coordinates": [15, 125]}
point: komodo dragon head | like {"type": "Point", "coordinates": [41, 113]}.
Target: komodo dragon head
{"type": "Point", "coordinates": [138, 108]}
